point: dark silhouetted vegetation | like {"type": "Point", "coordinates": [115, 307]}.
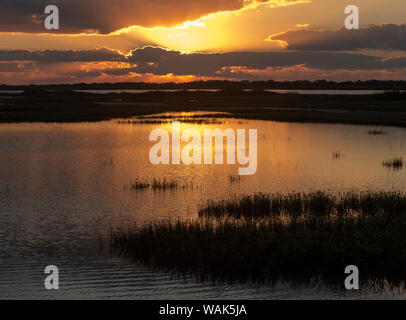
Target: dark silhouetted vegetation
{"type": "Point", "coordinates": [297, 205]}
{"type": "Point", "coordinates": [198, 119]}
{"type": "Point", "coordinates": [300, 238]}
{"type": "Point", "coordinates": [39, 105]}
{"type": "Point", "coordinates": [395, 164]}
{"type": "Point", "coordinates": [158, 185]}
{"type": "Point", "coordinates": [376, 132]}
{"type": "Point", "coordinates": [234, 179]}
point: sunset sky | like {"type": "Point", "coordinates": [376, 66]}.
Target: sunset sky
{"type": "Point", "coordinates": [185, 40]}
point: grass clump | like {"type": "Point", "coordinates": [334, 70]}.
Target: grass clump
{"type": "Point", "coordinates": [234, 179]}
{"type": "Point", "coordinates": [155, 185]}
{"type": "Point", "coordinates": [164, 184]}
{"type": "Point", "coordinates": [376, 132]}
{"type": "Point", "coordinates": [202, 119]}
{"type": "Point", "coordinates": [139, 185]}
{"type": "Point", "coordinates": [299, 205]}
{"type": "Point", "coordinates": [396, 163]}
{"type": "Point", "coordinates": [159, 185]}
{"type": "Point", "coordinates": [249, 239]}
{"type": "Point", "coordinates": [315, 249]}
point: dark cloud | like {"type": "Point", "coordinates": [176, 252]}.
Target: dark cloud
{"type": "Point", "coordinates": [105, 16]}
{"type": "Point", "coordinates": [158, 61]}
{"type": "Point", "coordinates": [381, 37]}
{"type": "Point", "coordinates": [9, 67]}
{"type": "Point", "coordinates": [52, 56]}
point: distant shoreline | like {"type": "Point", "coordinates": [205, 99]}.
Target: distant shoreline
{"type": "Point", "coordinates": [281, 91]}
{"type": "Point", "coordinates": [223, 85]}
{"type": "Point", "coordinates": [42, 105]}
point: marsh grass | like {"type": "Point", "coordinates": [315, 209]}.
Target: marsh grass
{"type": "Point", "coordinates": [269, 251]}
{"type": "Point", "coordinates": [205, 118]}
{"type": "Point", "coordinates": [162, 121]}
{"type": "Point", "coordinates": [250, 240]}
{"type": "Point", "coordinates": [376, 132]}
{"type": "Point", "coordinates": [164, 184]}
{"type": "Point", "coordinates": [159, 185]}
{"type": "Point", "coordinates": [169, 116]}
{"type": "Point", "coordinates": [395, 164]}
{"type": "Point", "coordinates": [234, 179]}
{"type": "Point", "coordinates": [139, 185]}
{"type": "Point", "coordinates": [316, 203]}
{"type": "Point", "coordinates": [64, 105]}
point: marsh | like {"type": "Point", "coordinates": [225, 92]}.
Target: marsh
{"type": "Point", "coordinates": [66, 186]}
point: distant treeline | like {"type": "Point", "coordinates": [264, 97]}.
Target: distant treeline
{"type": "Point", "coordinates": [224, 85]}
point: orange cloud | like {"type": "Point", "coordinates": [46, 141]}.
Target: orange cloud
{"type": "Point", "coordinates": [301, 72]}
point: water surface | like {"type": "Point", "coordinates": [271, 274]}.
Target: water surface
{"type": "Point", "coordinates": [329, 92]}
{"type": "Point", "coordinates": [63, 186]}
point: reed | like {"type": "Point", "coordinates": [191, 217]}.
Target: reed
{"type": "Point", "coordinates": [139, 185]}
{"type": "Point", "coordinates": [257, 244]}
{"type": "Point", "coordinates": [164, 184]}
{"type": "Point", "coordinates": [376, 132]}
{"type": "Point", "coordinates": [314, 250]}
{"type": "Point", "coordinates": [159, 185]}
{"type": "Point", "coordinates": [234, 179]}
{"type": "Point", "coordinates": [163, 121]}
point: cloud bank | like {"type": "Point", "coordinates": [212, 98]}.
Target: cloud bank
{"type": "Point", "coordinates": [101, 16]}
{"type": "Point", "coordinates": [158, 60]}
{"type": "Point", "coordinates": [378, 37]}
{"type": "Point", "coordinates": [155, 63]}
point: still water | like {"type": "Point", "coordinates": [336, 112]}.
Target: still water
{"type": "Point", "coordinates": [63, 186]}
{"type": "Point", "coordinates": [306, 91]}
